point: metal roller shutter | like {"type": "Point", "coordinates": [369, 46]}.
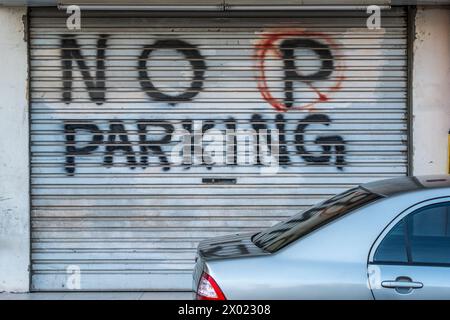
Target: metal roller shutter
{"type": "Point", "coordinates": [106, 104]}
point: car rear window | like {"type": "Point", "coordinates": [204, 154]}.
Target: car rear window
{"type": "Point", "coordinates": [284, 233]}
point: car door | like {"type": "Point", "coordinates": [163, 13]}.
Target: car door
{"type": "Point", "coordinates": [411, 258]}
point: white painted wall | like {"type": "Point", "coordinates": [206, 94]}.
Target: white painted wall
{"type": "Point", "coordinates": [14, 163]}
{"type": "Point", "coordinates": [431, 91]}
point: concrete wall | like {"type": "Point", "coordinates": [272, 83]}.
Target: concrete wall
{"type": "Point", "coordinates": [14, 162]}
{"type": "Point", "coordinates": [431, 91]}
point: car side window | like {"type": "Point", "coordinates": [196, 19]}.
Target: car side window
{"type": "Point", "coordinates": [423, 237]}
{"type": "Point", "coordinates": [429, 235]}
{"type": "Point", "coordinates": [393, 246]}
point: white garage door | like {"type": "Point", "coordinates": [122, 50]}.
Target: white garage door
{"type": "Point", "coordinates": [113, 204]}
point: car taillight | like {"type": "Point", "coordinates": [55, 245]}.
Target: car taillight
{"type": "Point", "coordinates": [208, 289]}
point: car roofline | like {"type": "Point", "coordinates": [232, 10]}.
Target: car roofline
{"type": "Point", "coordinates": [407, 184]}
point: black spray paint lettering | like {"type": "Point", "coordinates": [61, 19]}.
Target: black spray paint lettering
{"type": "Point", "coordinates": [117, 137]}
{"type": "Point", "coordinates": [70, 53]}
{"type": "Point", "coordinates": [72, 150]}
{"type": "Point", "coordinates": [327, 142]}
{"type": "Point", "coordinates": [191, 53]}
{"type": "Point", "coordinates": [291, 74]}
{"type": "Point", "coordinates": [154, 146]}
{"type": "Point", "coordinates": [206, 159]}
{"type": "Point", "coordinates": [117, 142]}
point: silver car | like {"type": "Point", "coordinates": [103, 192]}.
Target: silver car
{"type": "Point", "coordinates": [388, 239]}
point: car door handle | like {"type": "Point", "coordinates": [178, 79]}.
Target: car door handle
{"type": "Point", "coordinates": [402, 284]}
